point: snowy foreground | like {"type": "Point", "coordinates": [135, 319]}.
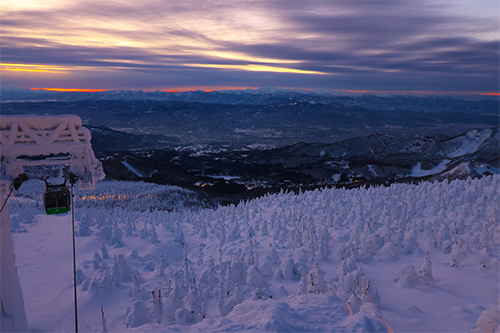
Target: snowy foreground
{"type": "Point", "coordinates": [403, 258]}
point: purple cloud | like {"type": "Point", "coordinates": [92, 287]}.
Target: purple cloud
{"type": "Point", "coordinates": [363, 45]}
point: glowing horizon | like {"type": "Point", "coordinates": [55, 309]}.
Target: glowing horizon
{"type": "Point", "coordinates": [219, 88]}
{"type": "Point", "coordinates": [380, 46]}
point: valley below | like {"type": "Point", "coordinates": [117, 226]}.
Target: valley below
{"type": "Point", "coordinates": [236, 145]}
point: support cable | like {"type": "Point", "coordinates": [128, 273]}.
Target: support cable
{"type": "Point", "coordinates": [72, 182]}
{"type": "Point", "coordinates": [12, 189]}
{"type": "Point", "coordinates": [16, 185]}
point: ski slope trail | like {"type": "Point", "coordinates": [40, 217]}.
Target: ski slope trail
{"type": "Point", "coordinates": [45, 266]}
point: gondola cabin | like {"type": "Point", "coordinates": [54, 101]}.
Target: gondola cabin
{"type": "Point", "coordinates": [56, 199]}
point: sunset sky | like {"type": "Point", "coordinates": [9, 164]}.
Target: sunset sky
{"type": "Point", "coordinates": [407, 45]}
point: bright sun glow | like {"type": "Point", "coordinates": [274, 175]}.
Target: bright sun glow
{"type": "Point", "coordinates": [33, 68]}
{"type": "Point", "coordinates": [258, 68]}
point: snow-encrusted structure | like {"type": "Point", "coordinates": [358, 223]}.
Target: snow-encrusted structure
{"type": "Point", "coordinates": [25, 137]}
{"type": "Point", "coordinates": [33, 141]}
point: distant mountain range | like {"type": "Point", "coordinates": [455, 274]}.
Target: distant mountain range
{"type": "Point", "coordinates": [279, 123]}
{"type": "Point", "coordinates": [265, 96]}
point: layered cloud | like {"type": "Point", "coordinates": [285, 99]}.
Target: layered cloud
{"type": "Point", "coordinates": [363, 45]}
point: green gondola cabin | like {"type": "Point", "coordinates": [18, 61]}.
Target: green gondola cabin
{"type": "Point", "coordinates": [56, 199]}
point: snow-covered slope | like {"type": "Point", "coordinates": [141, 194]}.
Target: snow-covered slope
{"type": "Point", "coordinates": [390, 156]}
{"type": "Point", "coordinates": [401, 258]}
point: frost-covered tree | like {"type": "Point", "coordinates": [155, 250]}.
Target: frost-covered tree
{"type": "Point", "coordinates": [324, 249]}
{"type": "Point", "coordinates": [354, 303]}
{"type": "Point", "coordinates": [483, 241]}
{"type": "Point", "coordinates": [316, 281]}
{"type": "Point", "coordinates": [157, 305]}
{"type": "Point", "coordinates": [137, 291]}
{"type": "Point", "coordinates": [97, 260]}
{"type": "Point", "coordinates": [154, 235]}
{"type": "Point", "coordinates": [425, 271]}
{"type": "Point", "coordinates": [137, 314]}
{"type": "Point", "coordinates": [488, 322]}
{"type": "Point", "coordinates": [163, 265]}
{"type": "Point", "coordinates": [121, 271]}
{"type": "Point", "coordinates": [104, 250]}
{"type": "Point", "coordinates": [116, 239]}
{"type": "Point", "coordinates": [255, 278]}
{"type": "Point", "coordinates": [458, 254]}
{"type": "Point", "coordinates": [303, 281]}
{"type": "Point", "coordinates": [249, 253]}
{"type": "Point", "coordinates": [344, 251]}
{"type": "Point", "coordinates": [408, 278]}
{"type": "Point", "coordinates": [372, 244]}
{"type": "Point", "coordinates": [251, 232]}
{"type": "Point", "coordinates": [235, 233]}
{"type": "Point", "coordinates": [103, 320]}
{"type": "Point", "coordinates": [389, 252]}
{"type": "Point", "coordinates": [173, 302]}
{"type": "Point", "coordinates": [264, 230]}
{"type": "Point", "coordinates": [194, 299]}
{"type": "Point", "coordinates": [410, 244]}
{"type": "Point", "coordinates": [443, 233]}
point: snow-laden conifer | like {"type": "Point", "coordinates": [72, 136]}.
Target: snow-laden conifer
{"type": "Point", "coordinates": [410, 244]}
{"type": "Point", "coordinates": [316, 281]}
{"type": "Point", "coordinates": [103, 320]}
{"type": "Point", "coordinates": [104, 250]}
{"type": "Point", "coordinates": [425, 271]}
{"type": "Point", "coordinates": [324, 249]}
{"type": "Point", "coordinates": [137, 314]}
{"type": "Point", "coordinates": [157, 308]}
{"type": "Point", "coordinates": [458, 254]}
{"type": "Point", "coordinates": [121, 271]}
{"type": "Point", "coordinates": [408, 278]}
{"type": "Point", "coordinates": [303, 281]}
{"type": "Point", "coordinates": [194, 300]}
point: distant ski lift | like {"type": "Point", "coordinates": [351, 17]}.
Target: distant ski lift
{"type": "Point", "coordinates": [56, 199]}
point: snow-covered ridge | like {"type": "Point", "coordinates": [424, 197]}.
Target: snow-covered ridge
{"type": "Point", "coordinates": [469, 143]}
{"type": "Point", "coordinates": [404, 257]}
{"type": "Point", "coordinates": [264, 96]}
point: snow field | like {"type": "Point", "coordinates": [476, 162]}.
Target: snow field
{"type": "Point", "coordinates": [404, 258]}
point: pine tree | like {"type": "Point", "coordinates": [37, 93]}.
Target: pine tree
{"type": "Point", "coordinates": [425, 271]}
{"type": "Point", "coordinates": [163, 265]}
{"type": "Point", "coordinates": [354, 303]}
{"type": "Point", "coordinates": [324, 249]}
{"type": "Point", "coordinates": [483, 242]}
{"type": "Point", "coordinates": [104, 327]}
{"type": "Point", "coordinates": [195, 303]}
{"type": "Point", "coordinates": [157, 305]}
{"type": "Point", "coordinates": [457, 255]}
{"type": "Point", "coordinates": [303, 281]}
{"type": "Point", "coordinates": [264, 231]}
{"type": "Point", "coordinates": [137, 291]}
{"type": "Point", "coordinates": [104, 249]}
{"type": "Point", "coordinates": [316, 281]}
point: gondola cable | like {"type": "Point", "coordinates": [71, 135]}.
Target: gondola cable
{"type": "Point", "coordinates": [16, 185]}
{"type": "Point", "coordinates": [12, 189]}
{"type": "Point", "coordinates": [72, 182]}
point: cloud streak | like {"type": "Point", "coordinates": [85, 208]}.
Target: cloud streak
{"type": "Point", "coordinates": [361, 45]}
